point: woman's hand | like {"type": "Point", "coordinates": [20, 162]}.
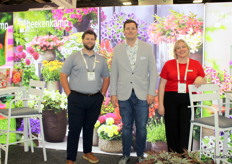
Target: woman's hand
{"type": "Point", "coordinates": [161, 110]}
{"type": "Point", "coordinates": [198, 81]}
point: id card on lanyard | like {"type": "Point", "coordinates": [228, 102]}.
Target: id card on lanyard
{"type": "Point", "coordinates": [182, 86]}
{"type": "Point", "coordinates": [91, 76]}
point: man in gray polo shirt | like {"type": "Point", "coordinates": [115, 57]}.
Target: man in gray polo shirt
{"type": "Point", "coordinates": [87, 84]}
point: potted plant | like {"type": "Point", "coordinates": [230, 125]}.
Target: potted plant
{"type": "Point", "coordinates": [51, 74]}
{"type": "Point", "coordinates": [109, 131]}
{"type": "Point", "coordinates": [46, 45]}
{"type": "Point", "coordinates": [172, 157]}
{"type": "Point", "coordinates": [79, 18]}
{"type": "Point", "coordinates": [54, 106]}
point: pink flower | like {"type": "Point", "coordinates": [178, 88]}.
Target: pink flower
{"type": "Point", "coordinates": [22, 55]}
{"type": "Point", "coordinates": [19, 48]}
{"type": "Point", "coordinates": [102, 119]}
{"type": "Point", "coordinates": [30, 50]}
{"type": "Point", "coordinates": [27, 61]}
{"type": "Point", "coordinates": [112, 115]}
{"type": "Point", "coordinates": [35, 55]}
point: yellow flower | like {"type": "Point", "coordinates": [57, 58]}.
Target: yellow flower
{"type": "Point", "coordinates": [109, 121]}
{"type": "Point", "coordinates": [97, 124]}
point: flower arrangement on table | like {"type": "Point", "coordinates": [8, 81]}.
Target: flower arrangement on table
{"type": "Point", "coordinates": [74, 16]}
{"type": "Point", "coordinates": [44, 43]}
{"type": "Point", "coordinates": [51, 70]}
{"type": "Point", "coordinates": [109, 126]}
{"type": "Point", "coordinates": [177, 26]}
{"type": "Point", "coordinates": [113, 29]}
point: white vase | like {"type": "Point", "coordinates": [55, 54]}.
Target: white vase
{"type": "Point", "coordinates": [53, 85]}
{"type": "Point", "coordinates": [50, 55]}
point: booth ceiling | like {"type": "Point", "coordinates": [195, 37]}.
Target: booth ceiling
{"type": "Point", "coordinates": [13, 5]}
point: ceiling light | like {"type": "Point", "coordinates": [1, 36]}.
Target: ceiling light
{"type": "Point", "coordinates": [126, 3]}
{"type": "Point", "coordinates": [197, 1]}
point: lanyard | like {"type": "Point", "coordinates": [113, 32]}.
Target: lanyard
{"type": "Point", "coordinates": [178, 70]}
{"type": "Point", "coordinates": [86, 65]}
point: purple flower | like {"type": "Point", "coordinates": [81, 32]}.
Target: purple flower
{"type": "Point", "coordinates": [35, 126]}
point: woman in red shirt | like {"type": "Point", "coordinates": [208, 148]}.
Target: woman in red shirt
{"type": "Point", "coordinates": [176, 75]}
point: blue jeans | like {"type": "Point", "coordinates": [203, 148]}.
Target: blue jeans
{"type": "Point", "coordinates": [134, 110]}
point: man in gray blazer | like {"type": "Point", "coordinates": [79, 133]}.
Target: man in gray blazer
{"type": "Point", "coordinates": [132, 87]}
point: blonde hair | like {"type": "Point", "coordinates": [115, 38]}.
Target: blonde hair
{"type": "Point", "coordinates": [177, 43]}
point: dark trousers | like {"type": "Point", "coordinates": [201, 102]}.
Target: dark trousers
{"type": "Point", "coordinates": [83, 112]}
{"type": "Point", "coordinates": [177, 120]}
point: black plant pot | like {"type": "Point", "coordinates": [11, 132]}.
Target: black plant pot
{"type": "Point", "coordinates": [55, 125]}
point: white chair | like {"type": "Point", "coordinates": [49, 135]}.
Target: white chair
{"type": "Point", "coordinates": [36, 89]}
{"type": "Point", "coordinates": [217, 122]}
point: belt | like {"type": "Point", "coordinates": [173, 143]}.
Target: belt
{"type": "Point", "coordinates": [86, 94]}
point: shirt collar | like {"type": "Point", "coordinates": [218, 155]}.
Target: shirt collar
{"type": "Point", "coordinates": [136, 43]}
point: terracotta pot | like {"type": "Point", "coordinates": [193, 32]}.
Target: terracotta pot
{"type": "Point", "coordinates": [55, 125]}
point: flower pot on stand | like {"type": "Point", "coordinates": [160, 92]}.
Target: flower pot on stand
{"type": "Point", "coordinates": [55, 125]}
{"type": "Point", "coordinates": [50, 55]}
{"type": "Point", "coordinates": [53, 85]}
{"type": "Point", "coordinates": [110, 146]}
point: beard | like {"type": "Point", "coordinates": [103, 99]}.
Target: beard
{"type": "Point", "coordinates": [89, 48]}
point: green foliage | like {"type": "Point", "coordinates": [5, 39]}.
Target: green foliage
{"type": "Point", "coordinates": [22, 34]}
{"type": "Point", "coordinates": [172, 157]}
{"type": "Point", "coordinates": [156, 131]}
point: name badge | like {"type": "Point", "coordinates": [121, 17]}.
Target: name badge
{"type": "Point", "coordinates": [91, 76]}
{"type": "Point", "coordinates": [181, 87]}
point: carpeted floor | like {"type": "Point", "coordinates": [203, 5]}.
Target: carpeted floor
{"type": "Point", "coordinates": [18, 156]}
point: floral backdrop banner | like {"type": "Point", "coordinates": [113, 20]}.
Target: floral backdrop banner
{"type": "Point", "coordinates": [6, 39]}
{"type": "Point", "coordinates": [36, 43]}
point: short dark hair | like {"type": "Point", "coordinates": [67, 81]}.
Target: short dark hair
{"type": "Point", "coordinates": [91, 32]}
{"type": "Point", "coordinates": [129, 21]}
